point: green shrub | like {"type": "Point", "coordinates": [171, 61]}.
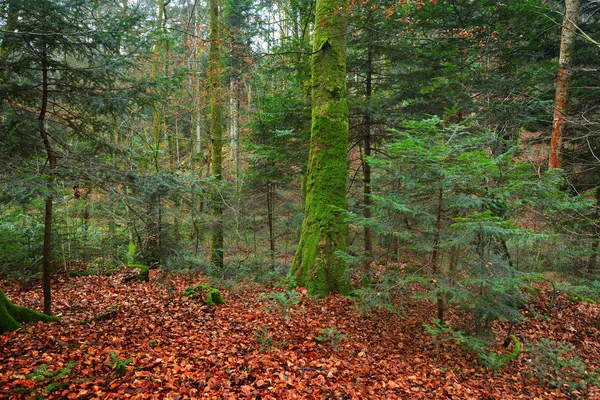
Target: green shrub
{"type": "Point", "coordinates": [555, 364]}
{"type": "Point", "coordinates": [474, 344]}
{"type": "Point", "coordinates": [331, 336]}
{"type": "Point", "coordinates": [117, 365]}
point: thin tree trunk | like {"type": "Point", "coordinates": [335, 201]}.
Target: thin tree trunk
{"type": "Point", "coordinates": [367, 170]}
{"type": "Point", "coordinates": [270, 218]}
{"type": "Point", "coordinates": [216, 135]}
{"type": "Point", "coordinates": [561, 102]}
{"type": "Point", "coordinates": [435, 255]}
{"type": "Point", "coordinates": [157, 112]}
{"type": "Point", "coordinates": [47, 255]}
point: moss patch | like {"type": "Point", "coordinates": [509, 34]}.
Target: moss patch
{"type": "Point", "coordinates": [12, 316]}
{"type": "Point", "coordinates": [576, 298]}
{"type": "Point", "coordinates": [208, 294]}
{"type": "Point", "coordinates": [516, 350]}
{"type": "Point", "coordinates": [316, 264]}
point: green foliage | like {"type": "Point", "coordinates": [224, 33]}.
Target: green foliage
{"type": "Point", "coordinates": [20, 240]}
{"type": "Point", "coordinates": [386, 293]}
{"type": "Point", "coordinates": [580, 290]}
{"type": "Point", "coordinates": [556, 365]}
{"type": "Point", "coordinates": [459, 204]}
{"type": "Point", "coordinates": [330, 336]}
{"type": "Point", "coordinates": [473, 344]}
{"type": "Point", "coordinates": [118, 365]}
{"type": "Point", "coordinates": [54, 379]}
{"type": "Point", "coordinates": [282, 301]}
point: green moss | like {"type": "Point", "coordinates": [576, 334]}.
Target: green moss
{"type": "Point", "coordinates": [12, 316]}
{"type": "Point", "coordinates": [102, 316]}
{"type": "Point", "coordinates": [324, 229]}
{"type": "Point", "coordinates": [516, 350]}
{"type": "Point", "coordinates": [212, 295]}
{"type": "Point", "coordinates": [576, 298]}
{"type": "Point", "coordinates": [189, 292]}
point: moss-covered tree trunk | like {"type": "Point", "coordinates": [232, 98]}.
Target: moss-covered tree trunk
{"type": "Point", "coordinates": [11, 316]}
{"type": "Point", "coordinates": [324, 228]}
{"type": "Point", "coordinates": [216, 134]}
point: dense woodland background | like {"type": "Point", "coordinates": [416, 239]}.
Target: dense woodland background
{"type": "Point", "coordinates": [142, 134]}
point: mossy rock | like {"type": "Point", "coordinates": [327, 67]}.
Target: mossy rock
{"type": "Point", "coordinates": [212, 295]}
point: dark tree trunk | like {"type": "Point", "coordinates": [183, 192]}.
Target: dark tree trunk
{"type": "Point", "coordinates": [270, 218]}
{"type": "Point", "coordinates": [47, 255]}
{"type": "Point", "coordinates": [435, 255]}
{"type": "Point", "coordinates": [216, 135]}
{"type": "Point", "coordinates": [367, 170]}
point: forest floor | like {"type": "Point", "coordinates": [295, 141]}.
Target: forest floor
{"type": "Point", "coordinates": [160, 344]}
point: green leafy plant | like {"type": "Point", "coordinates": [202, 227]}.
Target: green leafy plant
{"type": "Point", "coordinates": [52, 378]}
{"type": "Point", "coordinates": [118, 365]}
{"type": "Point", "coordinates": [282, 301]}
{"type": "Point", "coordinates": [330, 336]}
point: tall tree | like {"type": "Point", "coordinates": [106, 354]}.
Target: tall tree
{"type": "Point", "coordinates": [59, 78]}
{"type": "Point", "coordinates": [561, 102]}
{"type": "Point", "coordinates": [216, 134]}
{"type": "Point", "coordinates": [316, 264]}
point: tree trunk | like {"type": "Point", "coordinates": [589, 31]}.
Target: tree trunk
{"type": "Point", "coordinates": [324, 229]}
{"type": "Point", "coordinates": [367, 170]}
{"type": "Point", "coordinates": [216, 135]}
{"type": "Point", "coordinates": [435, 255]}
{"type": "Point", "coordinates": [47, 254]}
{"type": "Point", "coordinates": [561, 102]}
{"type": "Point", "coordinates": [270, 218]}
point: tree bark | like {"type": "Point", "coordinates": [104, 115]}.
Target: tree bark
{"type": "Point", "coordinates": [324, 228]}
{"type": "Point", "coordinates": [435, 255]}
{"type": "Point", "coordinates": [367, 169]}
{"type": "Point", "coordinates": [47, 252]}
{"type": "Point", "coordinates": [216, 135]}
{"type": "Point", "coordinates": [561, 102]}
{"type": "Point", "coordinates": [271, 219]}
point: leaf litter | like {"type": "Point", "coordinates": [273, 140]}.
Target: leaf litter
{"type": "Point", "coordinates": [160, 344]}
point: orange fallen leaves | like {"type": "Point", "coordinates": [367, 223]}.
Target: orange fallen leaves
{"type": "Point", "coordinates": [181, 349]}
